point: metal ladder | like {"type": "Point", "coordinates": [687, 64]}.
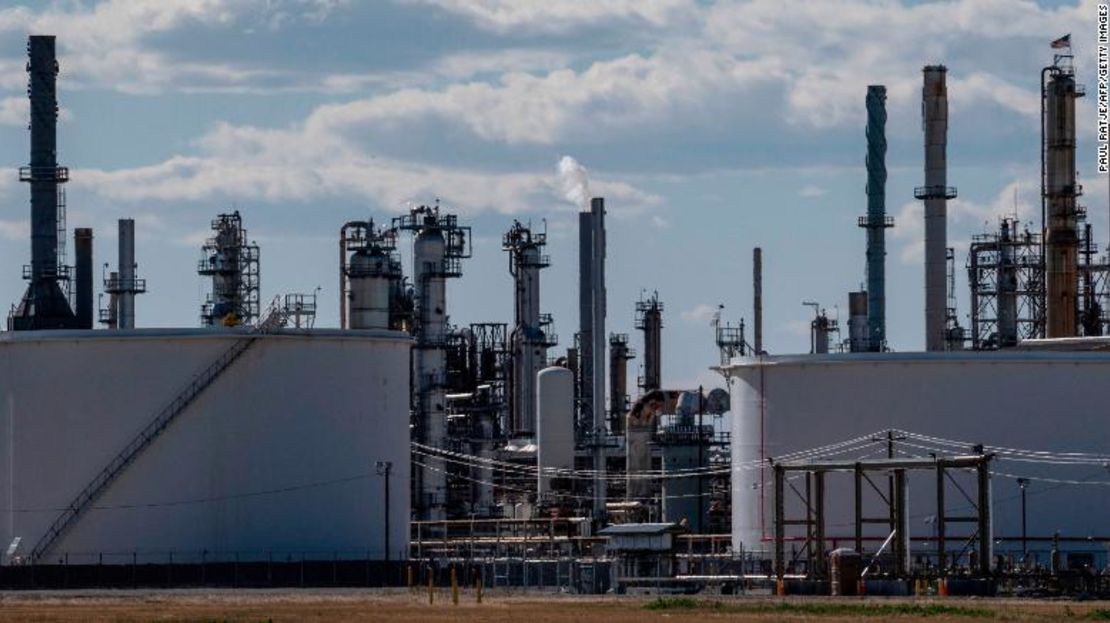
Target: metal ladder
{"type": "Point", "coordinates": [275, 319]}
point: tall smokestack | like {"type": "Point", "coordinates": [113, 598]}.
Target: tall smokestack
{"type": "Point", "coordinates": [83, 260]}
{"type": "Point", "coordinates": [876, 222]}
{"type": "Point", "coordinates": [1059, 191]}
{"type": "Point", "coordinates": [597, 208]}
{"type": "Point", "coordinates": [44, 306]}
{"type": "Point", "coordinates": [935, 193]}
{"type": "Point", "coordinates": [585, 319]}
{"type": "Point", "coordinates": [757, 298]}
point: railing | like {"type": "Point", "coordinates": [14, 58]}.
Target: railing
{"type": "Point", "coordinates": [92, 492]}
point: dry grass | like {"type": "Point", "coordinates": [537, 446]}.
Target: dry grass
{"type": "Point", "coordinates": [356, 605]}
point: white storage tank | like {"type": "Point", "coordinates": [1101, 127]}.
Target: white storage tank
{"type": "Point", "coordinates": [554, 423]}
{"type": "Point", "coordinates": [1046, 401]}
{"type": "Point", "coordinates": [275, 459]}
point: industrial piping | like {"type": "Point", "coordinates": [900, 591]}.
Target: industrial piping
{"type": "Point", "coordinates": [757, 298]}
{"type": "Point", "coordinates": [935, 193]}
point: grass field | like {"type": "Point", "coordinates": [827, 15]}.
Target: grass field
{"type": "Point", "coordinates": [355, 605]}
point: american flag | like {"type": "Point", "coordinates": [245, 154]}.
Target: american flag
{"type": "Point", "coordinates": [1062, 42]}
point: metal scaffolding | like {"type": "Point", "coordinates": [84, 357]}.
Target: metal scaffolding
{"type": "Point", "coordinates": [1004, 274]}
{"type": "Point", "coordinates": [896, 499]}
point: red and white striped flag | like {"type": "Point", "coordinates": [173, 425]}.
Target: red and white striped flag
{"type": "Point", "coordinates": [1062, 42]}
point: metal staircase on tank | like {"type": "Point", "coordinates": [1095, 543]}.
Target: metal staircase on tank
{"type": "Point", "coordinates": [275, 318]}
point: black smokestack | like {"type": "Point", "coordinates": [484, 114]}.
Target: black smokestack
{"type": "Point", "coordinates": [83, 252]}
{"type": "Point", "coordinates": [44, 306]}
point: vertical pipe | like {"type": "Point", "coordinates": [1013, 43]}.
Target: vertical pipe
{"type": "Point", "coordinates": [126, 303]}
{"type": "Point", "coordinates": [757, 298]}
{"type": "Point", "coordinates": [780, 522]}
{"type": "Point", "coordinates": [986, 532]}
{"type": "Point", "coordinates": [935, 193]}
{"type": "Point", "coordinates": [83, 255]}
{"type": "Point", "coordinates": [597, 206]}
{"type": "Point", "coordinates": [876, 221]}
{"type": "Point", "coordinates": [819, 521]}
{"type": "Point", "coordinates": [1060, 192]}
{"type": "Point", "coordinates": [940, 523]}
{"type": "Point", "coordinates": [858, 477]}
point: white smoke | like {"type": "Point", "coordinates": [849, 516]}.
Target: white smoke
{"type": "Point", "coordinates": [574, 181]}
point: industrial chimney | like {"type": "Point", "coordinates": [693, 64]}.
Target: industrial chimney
{"type": "Point", "coordinates": [935, 193]}
{"type": "Point", "coordinates": [44, 306]}
{"type": "Point", "coordinates": [83, 269]}
{"type": "Point", "coordinates": [1059, 191]}
{"type": "Point", "coordinates": [591, 337]}
{"type": "Point", "coordinates": [876, 222]}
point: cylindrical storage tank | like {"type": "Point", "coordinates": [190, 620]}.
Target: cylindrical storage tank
{"type": "Point", "coordinates": [749, 475]}
{"type": "Point", "coordinates": [369, 290]}
{"type": "Point", "coordinates": [554, 424]}
{"type": "Point", "coordinates": [275, 458]}
{"type": "Point", "coordinates": [858, 337]}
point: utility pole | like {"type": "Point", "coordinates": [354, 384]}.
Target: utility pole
{"type": "Point", "coordinates": [1022, 482]}
{"type": "Point", "coordinates": [383, 469]}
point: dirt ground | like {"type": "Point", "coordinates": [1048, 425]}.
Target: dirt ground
{"type": "Point", "coordinates": [377, 605]}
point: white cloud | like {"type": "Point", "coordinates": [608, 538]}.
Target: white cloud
{"type": "Point", "coordinates": [812, 192]}
{"type": "Point", "coordinates": [702, 313]}
{"type": "Point", "coordinates": [966, 218]}
{"type": "Point", "coordinates": [564, 15]}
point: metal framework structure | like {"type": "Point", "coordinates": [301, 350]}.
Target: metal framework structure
{"type": "Point", "coordinates": [1005, 275]}
{"type": "Point", "coordinates": [896, 499]}
{"type": "Point", "coordinates": [233, 264]}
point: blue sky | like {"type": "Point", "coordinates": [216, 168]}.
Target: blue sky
{"type": "Point", "coordinates": [710, 127]}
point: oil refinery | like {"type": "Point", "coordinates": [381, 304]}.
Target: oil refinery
{"type": "Point", "coordinates": [411, 444]}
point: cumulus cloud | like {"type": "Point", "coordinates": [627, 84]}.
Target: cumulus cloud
{"type": "Point", "coordinates": [315, 161]}
{"type": "Point", "coordinates": [966, 218]}
{"type": "Point", "coordinates": [563, 15]}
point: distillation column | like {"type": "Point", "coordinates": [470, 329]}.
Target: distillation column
{"type": "Point", "coordinates": [935, 194]}
{"type": "Point", "coordinates": [649, 319]}
{"type": "Point", "coordinates": [44, 305]}
{"type": "Point", "coordinates": [529, 341]}
{"type": "Point", "coordinates": [757, 299]}
{"type": "Point", "coordinates": [619, 354]}
{"type": "Point", "coordinates": [438, 246]}
{"type": "Point", "coordinates": [876, 222]}
{"type": "Point", "coordinates": [370, 268]}
{"type": "Point", "coordinates": [1059, 191]}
